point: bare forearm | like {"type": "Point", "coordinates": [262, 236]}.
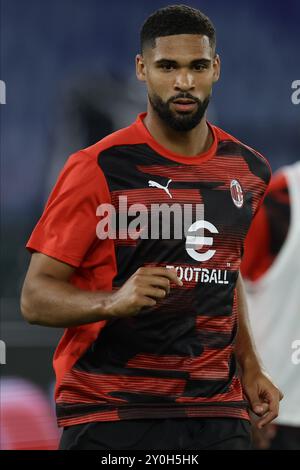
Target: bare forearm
{"type": "Point", "coordinates": [56, 303]}
{"type": "Point", "coordinates": [246, 352]}
{"type": "Point", "coordinates": [49, 299]}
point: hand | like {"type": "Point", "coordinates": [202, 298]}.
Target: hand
{"type": "Point", "coordinates": [142, 289]}
{"type": "Point", "coordinates": [263, 395]}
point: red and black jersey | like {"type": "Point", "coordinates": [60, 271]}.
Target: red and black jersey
{"type": "Point", "coordinates": [175, 359]}
{"type": "Point", "coordinates": [269, 229]}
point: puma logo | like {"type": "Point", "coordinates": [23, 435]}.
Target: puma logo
{"type": "Point", "coordinates": [160, 186]}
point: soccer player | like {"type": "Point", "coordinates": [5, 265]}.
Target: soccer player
{"type": "Point", "coordinates": [157, 352]}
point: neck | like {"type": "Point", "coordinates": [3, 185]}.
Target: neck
{"type": "Point", "coordinates": [190, 143]}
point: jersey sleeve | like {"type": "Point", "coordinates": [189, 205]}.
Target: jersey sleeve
{"type": "Point", "coordinates": [67, 227]}
{"type": "Point", "coordinates": [258, 255]}
{"type": "Point", "coordinates": [266, 177]}
{"type": "Point", "coordinates": [256, 247]}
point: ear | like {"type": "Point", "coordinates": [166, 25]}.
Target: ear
{"type": "Point", "coordinates": [217, 68]}
{"type": "Point", "coordinates": [140, 68]}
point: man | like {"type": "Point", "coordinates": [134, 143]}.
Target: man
{"type": "Point", "coordinates": [149, 356]}
{"type": "Point", "coordinates": [271, 266]}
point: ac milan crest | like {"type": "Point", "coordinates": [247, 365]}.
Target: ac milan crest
{"type": "Point", "coordinates": [237, 193]}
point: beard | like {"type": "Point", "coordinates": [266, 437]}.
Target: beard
{"type": "Point", "coordinates": [179, 121]}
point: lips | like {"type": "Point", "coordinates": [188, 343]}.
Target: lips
{"type": "Point", "coordinates": [184, 101]}
{"type": "Point", "coordinates": [182, 104]}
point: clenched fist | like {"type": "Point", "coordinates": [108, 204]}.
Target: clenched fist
{"type": "Point", "coordinates": [142, 289]}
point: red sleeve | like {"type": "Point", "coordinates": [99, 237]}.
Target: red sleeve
{"type": "Point", "coordinates": [257, 254]}
{"type": "Point", "coordinates": [256, 248]}
{"type": "Point", "coordinates": [67, 227]}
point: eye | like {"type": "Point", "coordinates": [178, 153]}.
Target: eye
{"type": "Point", "coordinates": [167, 67]}
{"type": "Point", "coordinates": [200, 67]}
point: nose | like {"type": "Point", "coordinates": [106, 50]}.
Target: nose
{"type": "Point", "coordinates": [184, 81]}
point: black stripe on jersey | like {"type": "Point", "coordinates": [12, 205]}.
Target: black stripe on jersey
{"type": "Point", "coordinates": [257, 165]}
{"type": "Point", "coordinates": [150, 333]}
{"type": "Point", "coordinates": [205, 387]}
{"type": "Point", "coordinates": [126, 158]}
{"type": "Point", "coordinates": [215, 299]}
{"type": "Point", "coordinates": [119, 157]}
{"type": "Point", "coordinates": [132, 372]}
{"type": "Point", "coordinates": [210, 339]}
{"type": "Point", "coordinates": [67, 410]}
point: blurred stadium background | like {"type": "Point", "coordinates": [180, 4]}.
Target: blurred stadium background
{"type": "Point", "coordinates": [70, 79]}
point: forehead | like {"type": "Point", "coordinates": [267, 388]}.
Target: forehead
{"type": "Point", "coordinates": [181, 46]}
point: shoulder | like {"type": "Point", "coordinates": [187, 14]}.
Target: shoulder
{"type": "Point", "coordinates": [230, 146]}
{"type": "Point", "coordinates": [123, 137]}
{"type": "Point", "coordinates": [86, 160]}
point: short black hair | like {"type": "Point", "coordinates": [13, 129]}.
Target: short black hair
{"type": "Point", "coordinates": [176, 19]}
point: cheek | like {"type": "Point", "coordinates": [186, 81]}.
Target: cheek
{"type": "Point", "coordinates": [208, 79]}
{"type": "Point", "coordinates": [159, 84]}
{"type": "Point", "coordinates": [205, 85]}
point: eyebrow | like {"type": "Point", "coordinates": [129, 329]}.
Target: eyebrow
{"type": "Point", "coordinates": [174, 62]}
